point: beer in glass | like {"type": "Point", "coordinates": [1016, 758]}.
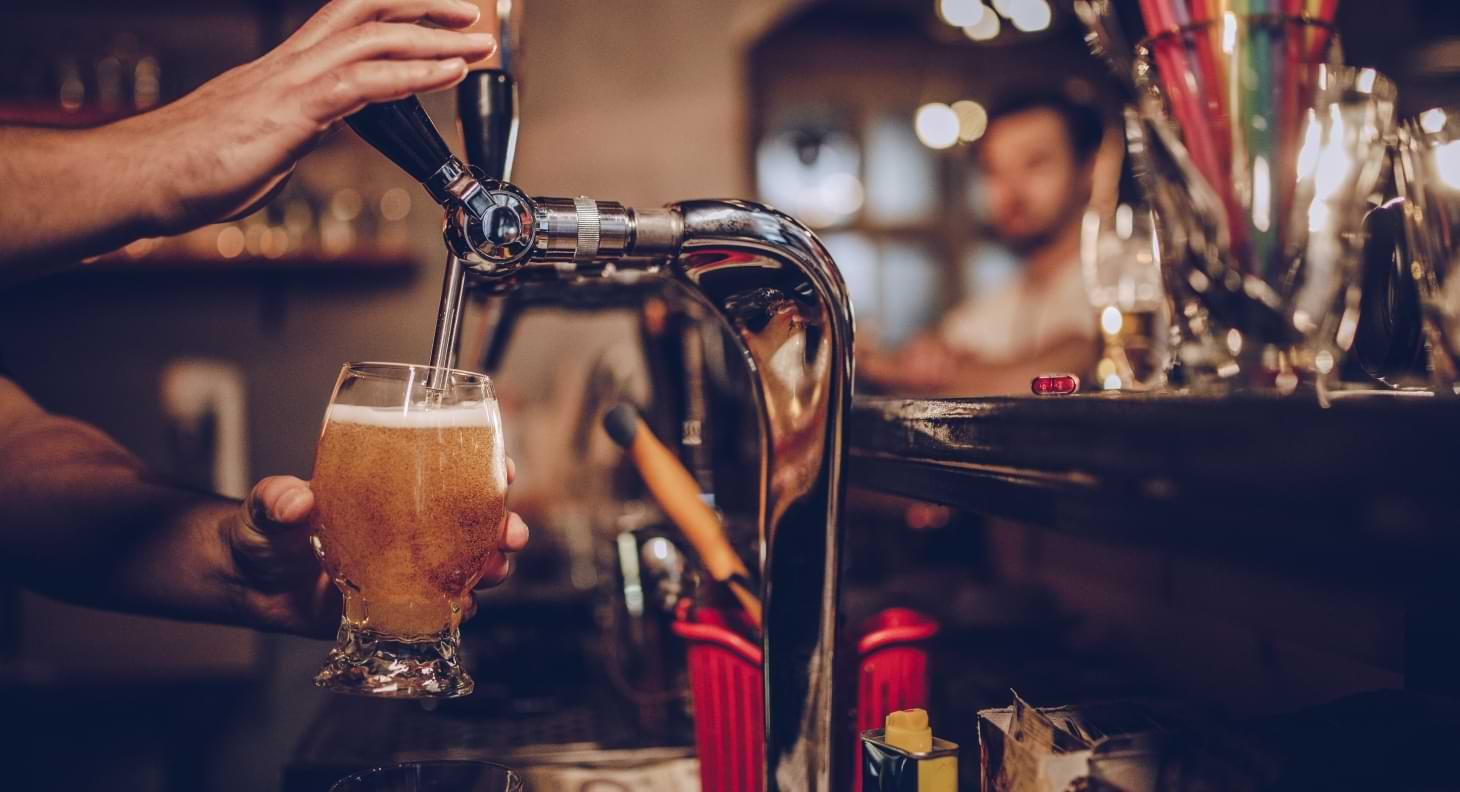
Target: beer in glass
{"type": "Point", "coordinates": [410, 485]}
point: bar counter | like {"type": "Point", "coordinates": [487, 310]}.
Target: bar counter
{"type": "Point", "coordinates": [1363, 488]}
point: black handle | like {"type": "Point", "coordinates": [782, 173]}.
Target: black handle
{"type": "Point", "coordinates": [402, 131]}
{"type": "Point", "coordinates": [487, 104]}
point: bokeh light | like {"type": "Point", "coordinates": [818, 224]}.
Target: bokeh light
{"type": "Point", "coordinates": [1030, 16]}
{"type": "Point", "coordinates": [973, 120]}
{"type": "Point", "coordinates": [985, 29]}
{"type": "Point", "coordinates": [936, 125]}
{"type": "Point", "coordinates": [961, 13]}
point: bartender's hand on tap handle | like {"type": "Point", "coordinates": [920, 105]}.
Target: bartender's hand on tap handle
{"type": "Point", "coordinates": [281, 580]}
{"type": "Point", "coordinates": [234, 139]}
{"type": "Point", "coordinates": [221, 151]}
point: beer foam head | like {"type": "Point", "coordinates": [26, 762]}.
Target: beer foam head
{"type": "Point", "coordinates": [467, 414]}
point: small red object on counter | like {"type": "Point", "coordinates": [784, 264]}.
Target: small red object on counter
{"type": "Point", "coordinates": [1055, 385]}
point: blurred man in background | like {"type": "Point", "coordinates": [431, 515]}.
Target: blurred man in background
{"type": "Point", "coordinates": [1038, 159]}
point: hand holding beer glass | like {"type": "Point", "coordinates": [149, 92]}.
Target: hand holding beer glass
{"type": "Point", "coordinates": [410, 483]}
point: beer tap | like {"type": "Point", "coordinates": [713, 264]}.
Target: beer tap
{"type": "Point", "coordinates": [492, 226]}
{"type": "Point", "coordinates": [770, 283]}
{"type": "Point", "coordinates": [486, 104]}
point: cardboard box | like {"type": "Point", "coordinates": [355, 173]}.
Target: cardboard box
{"type": "Point", "coordinates": [1132, 746]}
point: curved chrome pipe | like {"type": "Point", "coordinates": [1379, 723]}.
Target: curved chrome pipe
{"type": "Point", "coordinates": [778, 292]}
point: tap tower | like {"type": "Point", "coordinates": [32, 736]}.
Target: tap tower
{"type": "Point", "coordinates": [769, 281]}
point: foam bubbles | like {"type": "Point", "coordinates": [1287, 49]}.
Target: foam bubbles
{"type": "Point", "coordinates": [457, 415]}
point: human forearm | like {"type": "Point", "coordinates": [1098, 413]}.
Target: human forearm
{"type": "Point", "coordinates": [223, 149]}
{"type": "Point", "coordinates": [70, 194]}
{"type": "Point", "coordinates": [84, 522]}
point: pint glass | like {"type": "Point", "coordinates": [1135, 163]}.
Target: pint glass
{"type": "Point", "coordinates": [410, 485]}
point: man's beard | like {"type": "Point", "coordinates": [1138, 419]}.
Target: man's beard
{"type": "Point", "coordinates": [1026, 245]}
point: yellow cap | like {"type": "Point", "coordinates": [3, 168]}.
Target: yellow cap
{"type": "Point", "coordinates": [908, 730]}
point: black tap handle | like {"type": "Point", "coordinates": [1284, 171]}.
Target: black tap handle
{"type": "Point", "coordinates": [402, 131]}
{"type": "Point", "coordinates": [487, 104]}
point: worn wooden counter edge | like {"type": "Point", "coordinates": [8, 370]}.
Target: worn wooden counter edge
{"type": "Point", "coordinates": [1369, 483]}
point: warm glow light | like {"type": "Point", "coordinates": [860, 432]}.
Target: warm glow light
{"type": "Point", "coordinates": [1261, 194]}
{"type": "Point", "coordinates": [961, 13]}
{"type": "Point", "coordinates": [1323, 361]}
{"type": "Point", "coordinates": [230, 242]}
{"type": "Point", "coordinates": [1312, 144]}
{"type": "Point", "coordinates": [1125, 221]}
{"type": "Point", "coordinates": [395, 204]}
{"type": "Point", "coordinates": [1447, 163]}
{"type": "Point", "coordinates": [1365, 81]}
{"type": "Point", "coordinates": [1111, 320]}
{"type": "Point", "coordinates": [346, 204]}
{"type": "Point", "coordinates": [1304, 321]}
{"type": "Point", "coordinates": [1005, 7]}
{"type": "Point", "coordinates": [936, 125]}
{"type": "Point", "coordinates": [1030, 16]}
{"type": "Point", "coordinates": [253, 238]}
{"type": "Point", "coordinates": [1335, 164]}
{"type": "Point", "coordinates": [275, 242]}
{"type": "Point", "coordinates": [973, 120]}
{"type": "Point", "coordinates": [986, 28]}
{"type": "Point", "coordinates": [1234, 341]}
{"type": "Point", "coordinates": [1432, 121]}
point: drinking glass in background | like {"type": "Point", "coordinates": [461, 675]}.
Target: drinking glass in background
{"type": "Point", "coordinates": [1428, 177]}
{"type": "Point", "coordinates": [1118, 256]}
{"type": "Point", "coordinates": [1258, 160]}
{"type": "Point", "coordinates": [410, 486]}
{"type": "Point", "coordinates": [445, 776]}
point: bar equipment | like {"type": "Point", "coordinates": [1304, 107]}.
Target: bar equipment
{"type": "Point", "coordinates": [487, 108]}
{"type": "Point", "coordinates": [1118, 256]}
{"type": "Point", "coordinates": [1258, 161]}
{"type": "Point", "coordinates": [776, 293]}
{"type": "Point", "coordinates": [1261, 202]}
{"type": "Point", "coordinates": [890, 652]}
{"type": "Point", "coordinates": [1428, 177]}
{"type": "Point", "coordinates": [678, 495]}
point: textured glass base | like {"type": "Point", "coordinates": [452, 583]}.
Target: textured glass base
{"type": "Point", "coordinates": [368, 663]}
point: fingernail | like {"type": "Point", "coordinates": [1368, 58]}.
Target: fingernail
{"type": "Point", "coordinates": [482, 40]}
{"type": "Point", "coordinates": [467, 5]}
{"type": "Point", "coordinates": [287, 504]}
{"type": "Point", "coordinates": [451, 66]}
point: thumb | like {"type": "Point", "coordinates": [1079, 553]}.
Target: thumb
{"type": "Point", "coordinates": [279, 501]}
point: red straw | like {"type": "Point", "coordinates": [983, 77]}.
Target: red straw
{"type": "Point", "coordinates": [1211, 80]}
{"type": "Point", "coordinates": [1171, 56]}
